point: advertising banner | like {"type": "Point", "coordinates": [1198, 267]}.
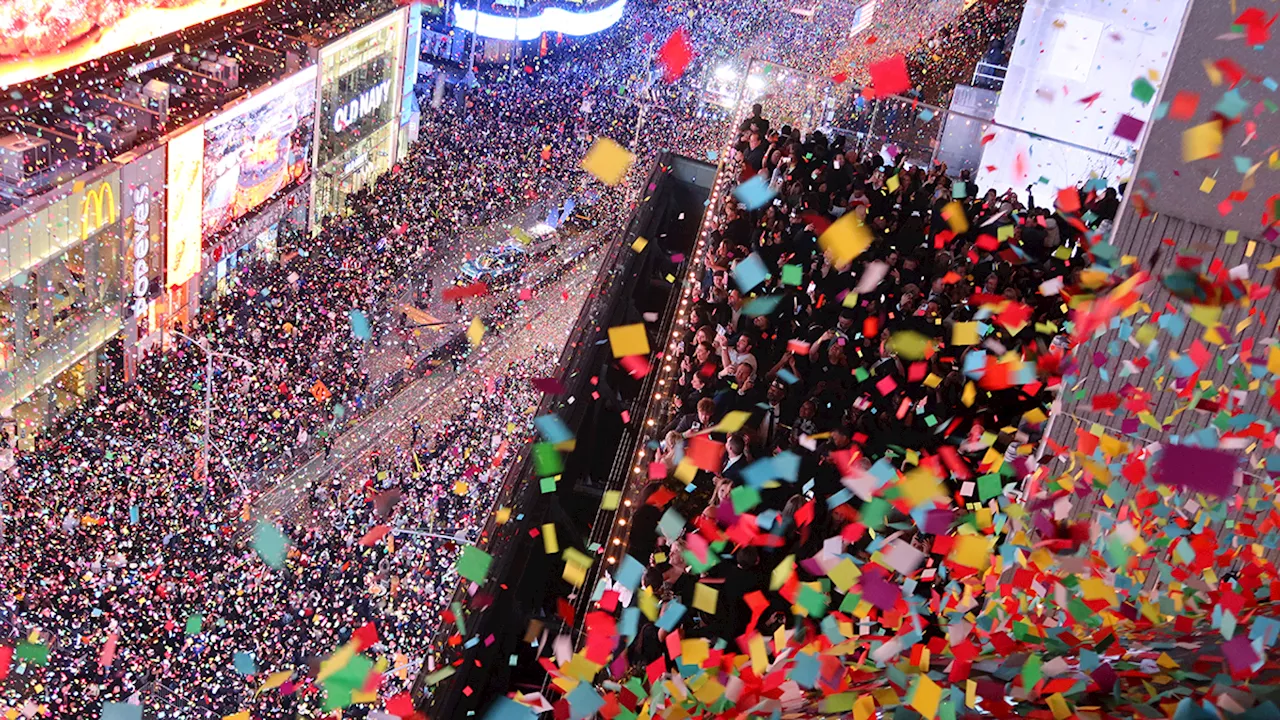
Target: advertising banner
{"type": "Point", "coordinates": [183, 211]}
{"type": "Point", "coordinates": [142, 227]}
{"type": "Point", "coordinates": [39, 37]}
{"type": "Point", "coordinates": [258, 148]}
{"type": "Point", "coordinates": [360, 87]}
{"type": "Point", "coordinates": [411, 45]}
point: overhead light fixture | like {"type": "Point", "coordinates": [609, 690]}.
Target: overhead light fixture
{"type": "Point", "coordinates": [726, 73]}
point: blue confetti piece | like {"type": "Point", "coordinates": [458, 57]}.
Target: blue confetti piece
{"type": "Point", "coordinates": [754, 193]}
{"type": "Point", "coordinates": [360, 325]}
{"type": "Point", "coordinates": [750, 272]}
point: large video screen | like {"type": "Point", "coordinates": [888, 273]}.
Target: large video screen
{"type": "Point", "coordinates": [186, 158]}
{"type": "Point", "coordinates": [258, 148]}
{"type": "Point", "coordinates": [39, 37]}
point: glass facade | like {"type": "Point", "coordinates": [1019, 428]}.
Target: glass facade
{"type": "Point", "coordinates": [60, 298]}
{"type": "Point", "coordinates": [360, 84]}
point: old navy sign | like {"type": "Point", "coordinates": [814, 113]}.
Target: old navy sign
{"type": "Point", "coordinates": [361, 107]}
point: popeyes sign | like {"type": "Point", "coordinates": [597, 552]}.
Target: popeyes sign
{"type": "Point", "coordinates": [142, 206]}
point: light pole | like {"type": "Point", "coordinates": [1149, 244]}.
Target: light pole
{"type": "Point", "coordinates": [202, 467]}
{"type": "Point", "coordinates": [644, 97]}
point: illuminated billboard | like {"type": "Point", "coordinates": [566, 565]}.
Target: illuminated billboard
{"type": "Point", "coordinates": [39, 37]}
{"type": "Point", "coordinates": [186, 163]}
{"type": "Point", "coordinates": [257, 148]}
{"type": "Point", "coordinates": [357, 124]}
{"type": "Point", "coordinates": [359, 85]}
{"type": "Point", "coordinates": [530, 24]}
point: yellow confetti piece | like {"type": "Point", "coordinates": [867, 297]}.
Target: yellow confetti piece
{"type": "Point", "coordinates": [608, 161]}
{"type": "Point", "coordinates": [733, 421]}
{"type": "Point", "coordinates": [705, 598]}
{"type": "Point", "coordinates": [865, 708]}
{"type": "Point", "coordinates": [1202, 141]}
{"type": "Point", "coordinates": [955, 216]}
{"type": "Point", "coordinates": [475, 332]}
{"type": "Point", "coordinates": [844, 574]}
{"type": "Point", "coordinates": [338, 660]}
{"type": "Point", "coordinates": [845, 240]}
{"type": "Point", "coordinates": [1058, 704]}
{"type": "Point", "coordinates": [1206, 185]}
{"type": "Point", "coordinates": [920, 486]}
{"type": "Point", "coordinates": [694, 650]}
{"type": "Point", "coordinates": [575, 575]}
{"type": "Point", "coordinates": [971, 551]}
{"type": "Point", "coordinates": [965, 333]}
{"type": "Point", "coordinates": [550, 542]}
{"type": "Point", "coordinates": [639, 244]}
{"type": "Point", "coordinates": [1098, 589]}
{"type": "Point", "coordinates": [580, 667]}
{"type": "Point", "coordinates": [759, 657]}
{"type": "Point", "coordinates": [925, 698]}
{"type": "Point", "coordinates": [648, 604]}
{"type": "Point", "coordinates": [611, 500]}
{"type": "Point", "coordinates": [909, 344]}
{"type": "Point", "coordinates": [1215, 75]}
{"type": "Point", "coordinates": [782, 572]}
{"type": "Point", "coordinates": [626, 340]}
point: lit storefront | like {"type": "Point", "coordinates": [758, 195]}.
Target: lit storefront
{"type": "Point", "coordinates": [410, 112]}
{"type": "Point", "coordinates": [61, 267]}
{"type": "Point", "coordinates": [265, 237]}
{"type": "Point", "coordinates": [359, 119]}
{"type": "Point", "coordinates": [183, 212]}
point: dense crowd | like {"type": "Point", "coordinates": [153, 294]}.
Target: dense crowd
{"type": "Point", "coordinates": [141, 580]}
{"type": "Point", "coordinates": [112, 549]}
{"type": "Point", "coordinates": [134, 580]}
{"type": "Point", "coordinates": [860, 370]}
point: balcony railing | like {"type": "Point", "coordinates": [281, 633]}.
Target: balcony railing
{"type": "Point", "coordinates": [989, 75]}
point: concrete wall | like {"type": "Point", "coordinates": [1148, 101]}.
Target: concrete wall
{"type": "Point", "coordinates": [1179, 181]}
{"type": "Point", "coordinates": [1068, 51]}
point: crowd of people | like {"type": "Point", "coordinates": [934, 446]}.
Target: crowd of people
{"type": "Point", "coordinates": [859, 370]}
{"type": "Point", "coordinates": [128, 577]}
{"type": "Point", "coordinates": [132, 579]}
{"type": "Point", "coordinates": [140, 591]}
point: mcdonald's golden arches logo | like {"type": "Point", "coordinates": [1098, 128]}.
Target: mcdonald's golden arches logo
{"type": "Point", "coordinates": [94, 198]}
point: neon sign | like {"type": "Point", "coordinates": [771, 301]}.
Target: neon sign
{"type": "Point", "coordinates": [360, 107]}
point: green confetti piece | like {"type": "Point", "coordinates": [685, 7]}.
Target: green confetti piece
{"type": "Point", "coordinates": [473, 563]}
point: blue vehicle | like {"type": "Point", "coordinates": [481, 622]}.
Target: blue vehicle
{"type": "Point", "coordinates": [500, 263]}
{"type": "Point", "coordinates": [505, 262]}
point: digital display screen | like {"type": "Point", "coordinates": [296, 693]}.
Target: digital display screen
{"type": "Point", "coordinates": [40, 37]}
{"type": "Point", "coordinates": [257, 149]}
{"type": "Point", "coordinates": [535, 19]}
{"type": "Point", "coordinates": [186, 161]}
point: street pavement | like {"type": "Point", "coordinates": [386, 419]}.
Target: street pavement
{"type": "Point", "coordinates": [546, 320]}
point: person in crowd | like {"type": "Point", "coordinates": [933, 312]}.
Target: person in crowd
{"type": "Point", "coordinates": [862, 359]}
